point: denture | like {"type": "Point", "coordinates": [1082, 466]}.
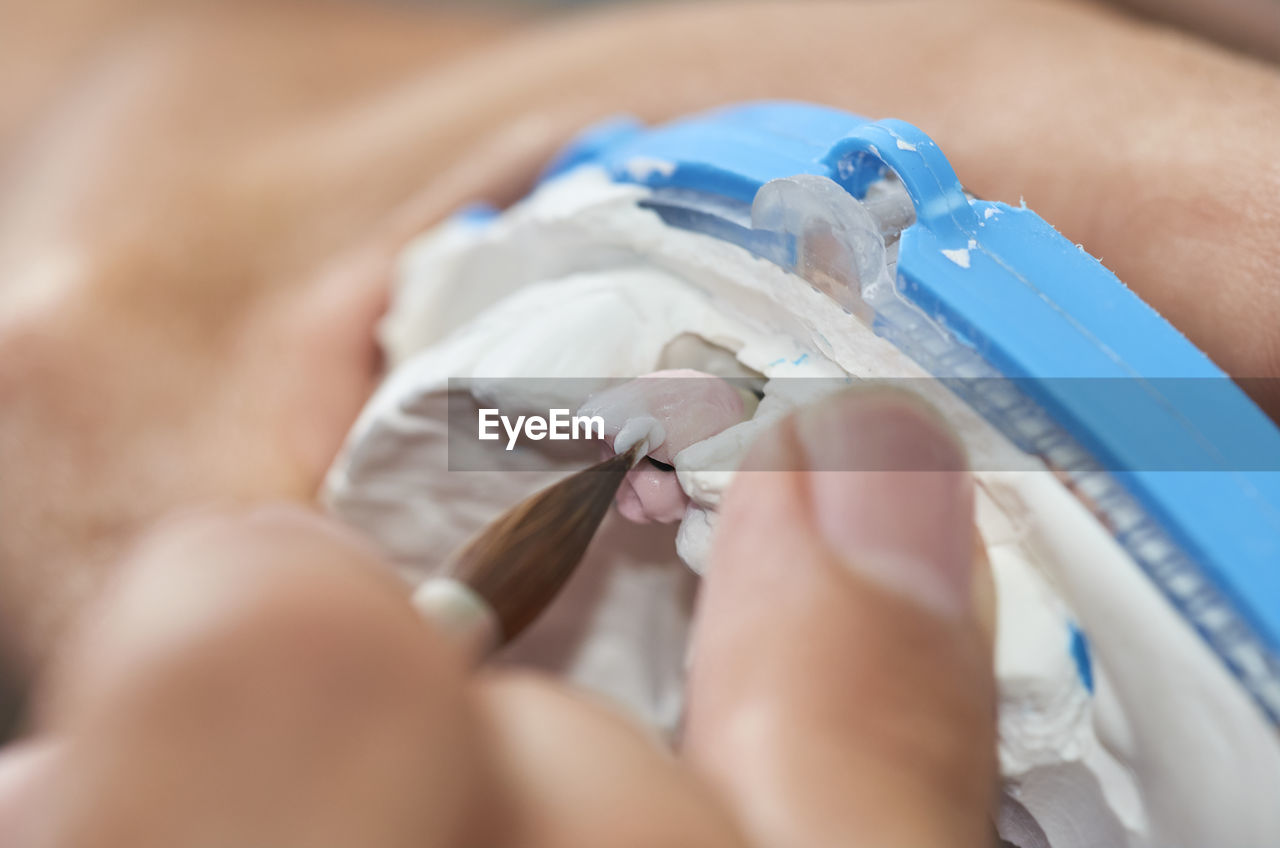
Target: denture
{"type": "Point", "coordinates": [686, 407]}
{"type": "Point", "coordinates": [584, 289]}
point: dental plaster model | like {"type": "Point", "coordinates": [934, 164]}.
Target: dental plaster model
{"type": "Point", "coordinates": [1119, 726]}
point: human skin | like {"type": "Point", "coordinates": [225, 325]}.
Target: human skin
{"type": "Point", "coordinates": [197, 214]}
{"type": "Point", "coordinates": [259, 677]}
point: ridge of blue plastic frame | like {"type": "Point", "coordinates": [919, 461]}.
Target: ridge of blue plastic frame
{"type": "Point", "coordinates": [1030, 303]}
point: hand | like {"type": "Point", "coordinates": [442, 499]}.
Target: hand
{"type": "Point", "coordinates": [194, 251]}
{"type": "Point", "coordinates": [259, 678]}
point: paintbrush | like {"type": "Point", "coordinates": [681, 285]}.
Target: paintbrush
{"type": "Point", "coordinates": [495, 585]}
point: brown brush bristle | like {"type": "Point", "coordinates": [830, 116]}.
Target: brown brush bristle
{"type": "Point", "coordinates": [519, 562]}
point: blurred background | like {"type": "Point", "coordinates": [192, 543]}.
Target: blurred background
{"type": "Point", "coordinates": [1251, 26]}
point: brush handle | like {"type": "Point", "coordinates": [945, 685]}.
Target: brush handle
{"type": "Point", "coordinates": [458, 602]}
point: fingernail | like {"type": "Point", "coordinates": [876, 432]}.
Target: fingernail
{"type": "Point", "coordinates": [891, 495]}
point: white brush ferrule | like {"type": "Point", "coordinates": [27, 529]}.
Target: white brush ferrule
{"type": "Point", "coordinates": [463, 615]}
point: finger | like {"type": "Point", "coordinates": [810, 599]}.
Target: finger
{"type": "Point", "coordinates": [574, 773]}
{"type": "Point", "coordinates": [330, 322]}
{"type": "Point", "coordinates": [24, 770]}
{"type": "Point", "coordinates": [841, 686]}
{"type": "Point", "coordinates": [257, 680]}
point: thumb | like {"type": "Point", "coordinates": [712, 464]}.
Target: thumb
{"type": "Point", "coordinates": [841, 687]}
{"type": "Point", "coordinates": [254, 677]}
